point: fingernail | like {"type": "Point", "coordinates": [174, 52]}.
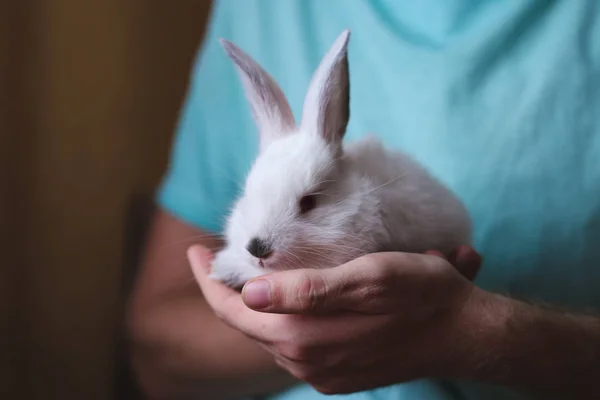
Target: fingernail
{"type": "Point", "coordinates": [257, 294]}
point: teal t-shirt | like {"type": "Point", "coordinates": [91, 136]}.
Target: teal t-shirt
{"type": "Point", "coordinates": [500, 99]}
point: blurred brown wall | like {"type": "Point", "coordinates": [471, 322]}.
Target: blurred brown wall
{"type": "Point", "coordinates": [89, 96]}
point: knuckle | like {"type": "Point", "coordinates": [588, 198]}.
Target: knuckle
{"type": "Point", "coordinates": [383, 267]}
{"type": "Point", "coordinates": [434, 262]}
{"type": "Point", "coordinates": [381, 277]}
{"type": "Point", "coordinates": [282, 362]}
{"type": "Point", "coordinates": [302, 373]}
{"type": "Point", "coordinates": [311, 293]}
{"type": "Point", "coordinates": [294, 353]}
{"type": "Point", "coordinates": [380, 286]}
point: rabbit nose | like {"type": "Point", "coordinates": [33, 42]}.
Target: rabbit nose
{"type": "Point", "coordinates": [259, 248]}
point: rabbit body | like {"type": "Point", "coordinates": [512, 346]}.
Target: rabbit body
{"type": "Point", "coordinates": [312, 201]}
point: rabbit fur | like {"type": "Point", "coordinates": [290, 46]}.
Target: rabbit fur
{"type": "Point", "coordinates": [312, 201]}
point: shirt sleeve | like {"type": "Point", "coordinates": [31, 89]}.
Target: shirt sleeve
{"type": "Point", "coordinates": [213, 142]}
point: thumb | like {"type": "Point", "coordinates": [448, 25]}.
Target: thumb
{"type": "Point", "coordinates": [298, 291]}
{"type": "Point", "coordinates": [464, 258]}
{"type": "Point", "coordinates": [360, 285]}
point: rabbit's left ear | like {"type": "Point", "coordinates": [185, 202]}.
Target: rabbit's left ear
{"type": "Point", "coordinates": [327, 104]}
{"type": "Point", "coordinates": [270, 109]}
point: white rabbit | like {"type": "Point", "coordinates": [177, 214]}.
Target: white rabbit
{"type": "Point", "coordinates": [311, 201]}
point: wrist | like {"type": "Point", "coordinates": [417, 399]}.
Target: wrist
{"type": "Point", "coordinates": [506, 342]}
{"type": "Point", "coordinates": [477, 336]}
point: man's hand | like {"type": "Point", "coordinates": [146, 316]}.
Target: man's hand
{"type": "Point", "coordinates": [381, 319]}
{"type": "Point", "coordinates": [179, 349]}
{"type": "Point", "coordinates": [388, 318]}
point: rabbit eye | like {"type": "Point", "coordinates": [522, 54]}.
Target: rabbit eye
{"type": "Point", "coordinates": [307, 203]}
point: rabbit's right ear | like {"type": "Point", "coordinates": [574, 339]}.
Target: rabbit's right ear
{"type": "Point", "coordinates": [327, 104]}
{"type": "Point", "coordinates": [270, 109]}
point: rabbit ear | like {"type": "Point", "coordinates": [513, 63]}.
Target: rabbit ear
{"type": "Point", "coordinates": [327, 103]}
{"type": "Point", "coordinates": [271, 110]}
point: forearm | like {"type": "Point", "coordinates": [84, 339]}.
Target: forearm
{"type": "Point", "coordinates": [535, 349]}
{"type": "Point", "coordinates": [180, 349]}
{"type": "Point", "coordinates": [182, 352]}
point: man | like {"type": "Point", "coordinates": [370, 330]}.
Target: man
{"type": "Point", "coordinates": [497, 99]}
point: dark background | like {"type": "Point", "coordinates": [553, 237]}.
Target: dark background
{"type": "Point", "coordinates": [89, 96]}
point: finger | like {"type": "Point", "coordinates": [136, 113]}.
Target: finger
{"type": "Point", "coordinates": [296, 291]}
{"type": "Point", "coordinates": [219, 296]}
{"type": "Point", "coordinates": [435, 253]}
{"type": "Point", "coordinates": [364, 377]}
{"type": "Point", "coordinates": [199, 258]}
{"type": "Point", "coordinates": [467, 261]}
{"type": "Point", "coordinates": [226, 302]}
{"type": "Point", "coordinates": [362, 285]}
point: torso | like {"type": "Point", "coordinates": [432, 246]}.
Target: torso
{"type": "Point", "coordinates": [498, 99]}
